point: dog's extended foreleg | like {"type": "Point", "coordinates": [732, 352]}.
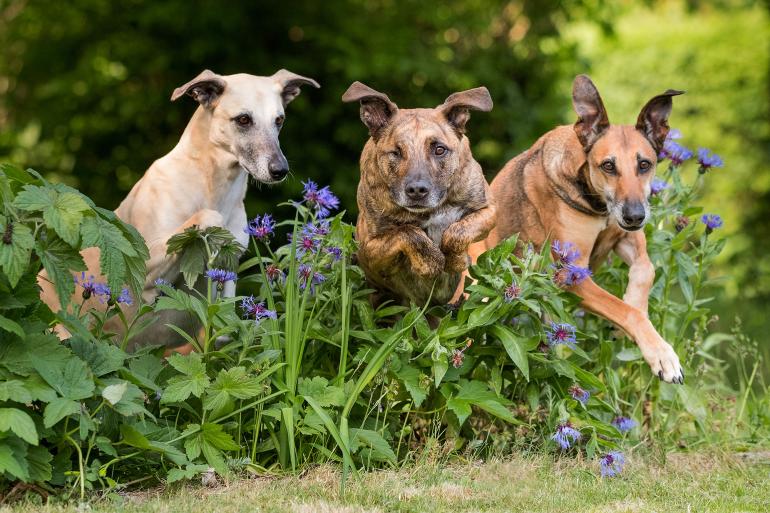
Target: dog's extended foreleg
{"type": "Point", "coordinates": [657, 352]}
{"type": "Point", "coordinates": [424, 256]}
{"type": "Point", "coordinates": [461, 234]}
{"type": "Point", "coordinates": [632, 249]}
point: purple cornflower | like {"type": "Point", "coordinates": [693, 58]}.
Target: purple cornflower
{"type": "Point", "coordinates": [623, 424]}
{"type": "Point", "coordinates": [102, 290]}
{"type": "Point", "coordinates": [707, 160]}
{"type": "Point", "coordinates": [220, 275]}
{"type": "Point", "coordinates": [675, 152]}
{"type": "Point", "coordinates": [579, 394]}
{"type": "Point", "coordinates": [321, 229]}
{"type": "Point", "coordinates": [712, 222]}
{"type": "Point", "coordinates": [566, 435]}
{"type": "Point", "coordinates": [323, 200]}
{"type": "Point", "coordinates": [674, 133]}
{"type": "Point", "coordinates": [306, 275]}
{"type": "Point", "coordinates": [161, 281]}
{"type": "Point", "coordinates": [657, 186]}
{"type": "Point", "coordinates": [261, 227]}
{"type": "Point", "coordinates": [335, 252]}
{"type": "Point", "coordinates": [89, 286]}
{"type": "Point", "coordinates": [511, 292]}
{"type": "Point", "coordinates": [561, 333]}
{"type": "Point", "coordinates": [307, 244]}
{"type": "Point", "coordinates": [576, 274]}
{"type": "Point", "coordinates": [566, 252]}
{"type": "Point", "coordinates": [611, 464]}
{"type": "Point", "coordinates": [125, 297]}
{"type": "Point", "coordinates": [273, 272]}
{"type": "Point", "coordinates": [256, 310]}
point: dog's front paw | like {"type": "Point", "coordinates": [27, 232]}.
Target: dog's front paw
{"type": "Point", "coordinates": [207, 218]}
{"type": "Point", "coordinates": [664, 362]}
{"type": "Point", "coordinates": [429, 266]}
{"type": "Point", "coordinates": [455, 262]}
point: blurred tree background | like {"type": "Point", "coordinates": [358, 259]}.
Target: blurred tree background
{"type": "Point", "coordinates": [85, 86]}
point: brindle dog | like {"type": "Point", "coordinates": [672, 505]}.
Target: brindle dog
{"type": "Point", "coordinates": [422, 199]}
{"type": "Point", "coordinates": [589, 184]}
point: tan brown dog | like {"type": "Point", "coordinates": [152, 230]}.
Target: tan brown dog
{"type": "Point", "coordinates": [589, 184]}
{"type": "Point", "coordinates": [422, 199]}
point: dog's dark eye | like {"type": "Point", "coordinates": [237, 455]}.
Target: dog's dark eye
{"type": "Point", "coordinates": [644, 165]}
{"type": "Point", "coordinates": [243, 120]}
{"type": "Point", "coordinates": [279, 121]}
{"type": "Point", "coordinates": [439, 150]}
{"type": "Point", "coordinates": [608, 166]}
{"type": "Point", "coordinates": [395, 154]}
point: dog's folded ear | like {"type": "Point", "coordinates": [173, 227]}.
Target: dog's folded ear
{"type": "Point", "coordinates": [376, 108]}
{"type": "Point", "coordinates": [653, 120]}
{"type": "Point", "coordinates": [592, 116]}
{"type": "Point", "coordinates": [290, 84]}
{"type": "Point", "coordinates": [457, 106]}
{"type": "Point", "coordinates": [206, 88]}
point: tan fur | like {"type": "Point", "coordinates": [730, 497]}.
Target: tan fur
{"type": "Point", "coordinates": [202, 181]}
{"type": "Point", "coordinates": [410, 249]}
{"type": "Point", "coordinates": [555, 190]}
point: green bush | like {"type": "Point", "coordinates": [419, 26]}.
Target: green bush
{"type": "Point", "coordinates": [304, 369]}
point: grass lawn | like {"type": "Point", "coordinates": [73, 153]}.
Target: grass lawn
{"type": "Point", "coordinates": [697, 482]}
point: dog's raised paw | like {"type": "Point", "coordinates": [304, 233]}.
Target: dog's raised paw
{"type": "Point", "coordinates": [665, 364]}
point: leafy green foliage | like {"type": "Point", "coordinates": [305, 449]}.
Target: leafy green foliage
{"type": "Point", "coordinates": [327, 375]}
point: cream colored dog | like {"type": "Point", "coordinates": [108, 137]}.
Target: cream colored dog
{"type": "Point", "coordinates": [202, 181]}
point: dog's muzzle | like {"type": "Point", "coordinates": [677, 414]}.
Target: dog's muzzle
{"type": "Point", "coordinates": [633, 216]}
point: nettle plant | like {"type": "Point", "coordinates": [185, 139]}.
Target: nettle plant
{"type": "Point", "coordinates": [301, 368]}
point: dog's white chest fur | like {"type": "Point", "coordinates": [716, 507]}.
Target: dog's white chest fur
{"type": "Point", "coordinates": [437, 223]}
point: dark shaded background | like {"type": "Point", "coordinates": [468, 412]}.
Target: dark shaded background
{"type": "Point", "coordinates": [85, 86]}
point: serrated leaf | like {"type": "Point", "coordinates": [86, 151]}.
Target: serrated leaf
{"type": "Point", "coordinates": [102, 357]}
{"type": "Point", "coordinates": [133, 437]}
{"type": "Point", "coordinates": [62, 211]}
{"type": "Point", "coordinates": [58, 409]}
{"type": "Point", "coordinates": [8, 463]}
{"type": "Point", "coordinates": [14, 390]}
{"type": "Point", "coordinates": [113, 246]}
{"type": "Point", "coordinates": [380, 449]}
{"type": "Point", "coordinates": [39, 462]}
{"type": "Point", "coordinates": [19, 423]}
{"type": "Point", "coordinates": [72, 380]}
{"type": "Point", "coordinates": [14, 257]}
{"type": "Point", "coordinates": [319, 389]}
{"type": "Point", "coordinates": [231, 383]}
{"type": "Point", "coordinates": [59, 261]}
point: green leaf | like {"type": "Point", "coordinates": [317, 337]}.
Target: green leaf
{"type": "Point", "coordinates": [478, 394]}
{"type": "Point", "coordinates": [20, 423]}
{"type": "Point", "coordinates": [102, 357]}
{"type": "Point", "coordinates": [11, 326]}
{"type": "Point", "coordinates": [62, 211]}
{"type": "Point", "coordinates": [114, 393]}
{"type": "Point", "coordinates": [514, 347]}
{"type": "Point", "coordinates": [380, 449]}
{"type": "Point", "coordinates": [114, 248]}
{"type": "Point", "coordinates": [133, 437]}
{"type": "Point", "coordinates": [189, 472]}
{"type": "Point", "coordinates": [193, 380]}
{"type": "Point", "coordinates": [15, 257]}
{"type": "Point", "coordinates": [72, 380]}
{"type": "Point", "coordinates": [58, 409]}
{"type": "Point", "coordinates": [319, 389]}
{"type": "Point", "coordinates": [8, 463]}
{"type": "Point", "coordinates": [39, 461]}
{"type": "Point", "coordinates": [231, 383]}
{"type": "Point", "coordinates": [14, 390]}
{"type": "Point", "coordinates": [59, 260]}
{"type": "Point", "coordinates": [410, 377]}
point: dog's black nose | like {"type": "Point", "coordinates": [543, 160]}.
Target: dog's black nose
{"type": "Point", "coordinates": [633, 214]}
{"type": "Point", "coordinates": [417, 190]}
{"type": "Point", "coordinates": [278, 167]}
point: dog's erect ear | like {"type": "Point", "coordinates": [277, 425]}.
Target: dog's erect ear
{"type": "Point", "coordinates": [653, 120]}
{"type": "Point", "coordinates": [457, 106]}
{"type": "Point", "coordinates": [290, 84]}
{"type": "Point", "coordinates": [376, 108]}
{"type": "Point", "coordinates": [206, 88]}
{"type": "Point", "coordinates": [592, 117]}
